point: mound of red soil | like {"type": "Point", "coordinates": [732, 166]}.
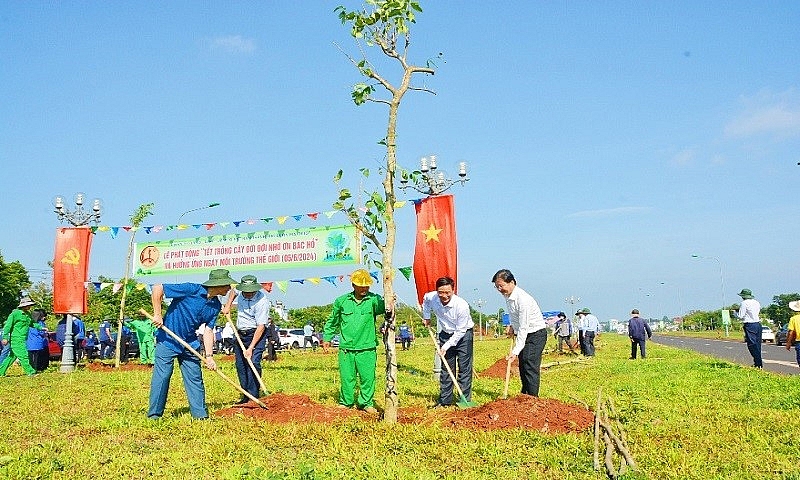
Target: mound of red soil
{"type": "Point", "coordinates": [124, 367]}
{"type": "Point", "coordinates": [498, 369]}
{"type": "Point", "coordinates": [523, 411]}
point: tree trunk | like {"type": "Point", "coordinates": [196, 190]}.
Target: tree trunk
{"type": "Point", "coordinates": [122, 299]}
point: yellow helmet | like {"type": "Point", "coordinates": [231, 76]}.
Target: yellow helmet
{"type": "Point", "coordinates": [361, 278]}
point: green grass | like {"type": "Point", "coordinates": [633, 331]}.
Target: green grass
{"type": "Point", "coordinates": [686, 416]}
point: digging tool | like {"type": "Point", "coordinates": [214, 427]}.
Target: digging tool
{"type": "Point", "coordinates": [202, 359]}
{"type": "Point", "coordinates": [463, 402]}
{"type": "Point", "coordinates": [249, 360]}
{"type": "Point", "coordinates": [508, 368]}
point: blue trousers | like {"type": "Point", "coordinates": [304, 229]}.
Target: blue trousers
{"type": "Point", "coordinates": [459, 357]}
{"type": "Point", "coordinates": [530, 361]}
{"type": "Point", "coordinates": [752, 336]}
{"type": "Point", "coordinates": [247, 378]}
{"type": "Point", "coordinates": [192, 381]}
{"type": "Point", "coordinates": [588, 343]}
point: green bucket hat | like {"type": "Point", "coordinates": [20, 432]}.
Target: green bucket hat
{"type": "Point", "coordinates": [219, 278]}
{"type": "Point", "coordinates": [249, 283]}
{"type": "Point", "coordinates": [746, 293]}
{"type": "Point", "coordinates": [585, 310]}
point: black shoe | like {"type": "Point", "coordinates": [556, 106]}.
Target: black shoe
{"type": "Point", "coordinates": [242, 401]}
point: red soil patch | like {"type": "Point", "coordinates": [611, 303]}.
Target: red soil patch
{"type": "Point", "coordinates": [547, 415]}
{"type": "Point", "coordinates": [123, 367]}
{"type": "Point", "coordinates": [498, 369]}
{"type": "Point", "coordinates": [522, 411]}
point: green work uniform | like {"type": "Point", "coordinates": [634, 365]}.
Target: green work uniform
{"type": "Point", "coordinates": [147, 343]}
{"type": "Point", "coordinates": [354, 321]}
{"type": "Point", "coordinates": [16, 333]}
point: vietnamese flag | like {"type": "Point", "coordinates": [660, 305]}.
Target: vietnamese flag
{"type": "Point", "coordinates": [71, 269]}
{"type": "Point", "coordinates": [435, 254]}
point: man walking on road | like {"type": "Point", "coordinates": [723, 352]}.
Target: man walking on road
{"type": "Point", "coordinates": [637, 329]}
{"type": "Point", "coordinates": [751, 324]}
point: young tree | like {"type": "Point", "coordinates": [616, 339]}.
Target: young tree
{"type": "Point", "coordinates": [13, 280]}
{"type": "Point", "coordinates": [383, 24]}
{"type": "Point", "coordinates": [143, 211]}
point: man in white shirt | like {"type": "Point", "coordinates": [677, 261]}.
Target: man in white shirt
{"type": "Point", "coordinates": [528, 324]}
{"type": "Point", "coordinates": [251, 324]}
{"type": "Point", "coordinates": [455, 337]}
{"type": "Point", "coordinates": [591, 329]}
{"type": "Point", "coordinates": [751, 324]}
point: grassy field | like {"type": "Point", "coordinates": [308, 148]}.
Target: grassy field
{"type": "Point", "coordinates": [686, 416]}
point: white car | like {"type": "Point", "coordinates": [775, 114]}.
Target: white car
{"type": "Point", "coordinates": [294, 338]}
{"type": "Point", "coordinates": [767, 335]}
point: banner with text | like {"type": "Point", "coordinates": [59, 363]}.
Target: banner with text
{"type": "Point", "coordinates": [289, 248]}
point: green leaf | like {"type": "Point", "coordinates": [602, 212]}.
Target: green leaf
{"type": "Point", "coordinates": [364, 172]}
{"type": "Point", "coordinates": [337, 177]}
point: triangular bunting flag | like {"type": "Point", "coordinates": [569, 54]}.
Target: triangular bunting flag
{"type": "Point", "coordinates": [313, 216]}
{"type": "Point", "coordinates": [282, 285]}
{"type": "Point", "coordinates": [267, 286]}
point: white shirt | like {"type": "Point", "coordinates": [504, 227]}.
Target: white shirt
{"type": "Point", "coordinates": [525, 316]}
{"type": "Point", "coordinates": [748, 311]}
{"type": "Point", "coordinates": [591, 323]}
{"type": "Point", "coordinates": [252, 312]}
{"type": "Point", "coordinates": [227, 332]}
{"type": "Point", "coordinates": [453, 318]}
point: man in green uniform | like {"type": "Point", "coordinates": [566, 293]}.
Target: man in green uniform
{"type": "Point", "coordinates": [144, 334]}
{"type": "Point", "coordinates": [353, 318]}
{"type": "Point", "coordinates": [16, 333]}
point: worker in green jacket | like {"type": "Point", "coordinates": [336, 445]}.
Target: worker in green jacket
{"type": "Point", "coordinates": [144, 334]}
{"type": "Point", "coordinates": [353, 318]}
{"type": "Point", "coordinates": [15, 332]}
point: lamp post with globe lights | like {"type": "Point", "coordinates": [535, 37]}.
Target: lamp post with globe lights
{"type": "Point", "coordinates": [79, 216]}
{"type": "Point", "coordinates": [722, 290]}
{"type": "Point", "coordinates": [429, 179]}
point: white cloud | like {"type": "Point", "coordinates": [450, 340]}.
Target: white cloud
{"type": "Point", "coordinates": [608, 212]}
{"type": "Point", "coordinates": [233, 44]}
{"type": "Point", "coordinates": [684, 157]}
{"type": "Point", "coordinates": [767, 114]}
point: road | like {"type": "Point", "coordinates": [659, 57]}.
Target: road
{"type": "Point", "coordinates": [776, 358]}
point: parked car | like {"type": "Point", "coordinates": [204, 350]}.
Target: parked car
{"type": "Point", "coordinates": [767, 335]}
{"type": "Point", "coordinates": [53, 347]}
{"type": "Point", "coordinates": [291, 338]}
{"type": "Point", "coordinates": [781, 335]}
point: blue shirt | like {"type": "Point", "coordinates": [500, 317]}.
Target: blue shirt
{"type": "Point", "coordinates": [37, 339]}
{"type": "Point", "coordinates": [104, 328]}
{"type": "Point", "coordinates": [190, 308]}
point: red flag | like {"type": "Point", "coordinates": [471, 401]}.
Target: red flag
{"type": "Point", "coordinates": [71, 269]}
{"type": "Point", "coordinates": [436, 253]}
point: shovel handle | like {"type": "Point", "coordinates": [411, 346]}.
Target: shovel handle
{"type": "Point", "coordinates": [202, 359]}
{"type": "Point", "coordinates": [446, 365]}
{"type": "Point", "coordinates": [508, 370]}
{"type": "Point", "coordinates": [249, 360]}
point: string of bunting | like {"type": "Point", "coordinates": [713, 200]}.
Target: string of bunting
{"type": "Point", "coordinates": [283, 285]}
{"type": "Point", "coordinates": [281, 219]}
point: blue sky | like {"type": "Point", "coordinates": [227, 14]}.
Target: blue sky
{"type": "Point", "coordinates": [607, 142]}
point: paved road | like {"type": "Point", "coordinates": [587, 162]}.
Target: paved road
{"type": "Point", "coordinates": [776, 358]}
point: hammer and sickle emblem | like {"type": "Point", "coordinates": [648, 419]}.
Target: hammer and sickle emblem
{"type": "Point", "coordinates": [72, 256]}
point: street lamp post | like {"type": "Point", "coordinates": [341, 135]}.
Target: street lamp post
{"type": "Point", "coordinates": [572, 300]}
{"type": "Point", "coordinates": [429, 180]}
{"type": "Point", "coordinates": [722, 289]}
{"type": "Point", "coordinates": [480, 303]}
{"type": "Point", "coordinates": [178, 224]}
{"type": "Point", "coordinates": [77, 217]}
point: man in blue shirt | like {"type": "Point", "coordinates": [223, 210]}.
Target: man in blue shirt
{"type": "Point", "coordinates": [192, 305]}
{"type": "Point", "coordinates": [106, 341]}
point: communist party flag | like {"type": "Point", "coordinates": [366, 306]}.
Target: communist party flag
{"type": "Point", "coordinates": [435, 254]}
{"type": "Point", "coordinates": [71, 269]}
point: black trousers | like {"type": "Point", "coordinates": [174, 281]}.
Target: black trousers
{"type": "Point", "coordinates": [530, 361]}
{"type": "Point", "coordinates": [459, 357]}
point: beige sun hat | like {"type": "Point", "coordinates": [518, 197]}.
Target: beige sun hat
{"type": "Point", "coordinates": [795, 305]}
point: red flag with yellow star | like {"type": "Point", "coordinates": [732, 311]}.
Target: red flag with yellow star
{"type": "Point", "coordinates": [436, 253]}
{"type": "Point", "coordinates": [71, 269]}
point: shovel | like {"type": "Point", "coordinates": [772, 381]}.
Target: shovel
{"type": "Point", "coordinates": [463, 402]}
{"type": "Point", "coordinates": [508, 370]}
{"type": "Point", "coordinates": [202, 359]}
{"type": "Point", "coordinates": [249, 360]}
